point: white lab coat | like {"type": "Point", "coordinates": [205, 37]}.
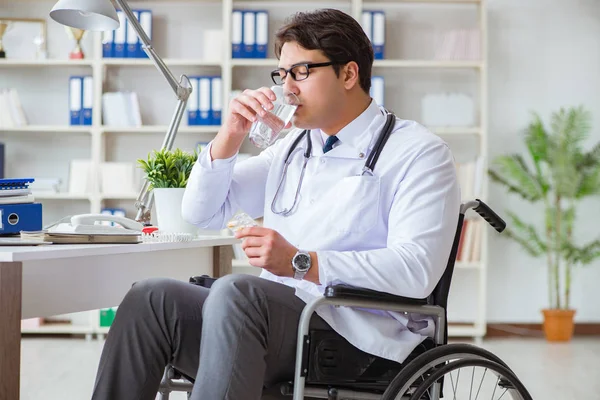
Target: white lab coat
{"type": "Point", "coordinates": [390, 232]}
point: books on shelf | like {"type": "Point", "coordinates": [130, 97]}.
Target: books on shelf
{"type": "Point", "coordinates": [373, 23]}
{"type": "Point", "coordinates": [470, 178]}
{"type": "Point", "coordinates": [206, 101]}
{"type": "Point", "coordinates": [469, 246]}
{"type": "Point", "coordinates": [11, 110]}
{"type": "Point", "coordinates": [249, 33]}
{"type": "Point", "coordinates": [459, 44]}
{"type": "Point", "coordinates": [121, 109]}
{"type": "Point", "coordinates": [124, 41]}
{"type": "Point", "coordinates": [81, 100]}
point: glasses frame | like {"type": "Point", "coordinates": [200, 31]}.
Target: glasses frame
{"type": "Point", "coordinates": [276, 72]}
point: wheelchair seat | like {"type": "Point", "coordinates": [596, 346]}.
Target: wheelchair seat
{"type": "Point", "coordinates": [329, 367]}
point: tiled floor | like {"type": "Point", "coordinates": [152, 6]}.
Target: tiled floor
{"type": "Point", "coordinates": [64, 369]}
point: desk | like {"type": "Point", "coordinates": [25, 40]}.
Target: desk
{"type": "Point", "coordinates": [48, 280]}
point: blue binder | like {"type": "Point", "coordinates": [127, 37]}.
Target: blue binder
{"type": "Point", "coordinates": [2, 160]}
{"type": "Point", "coordinates": [75, 99]}
{"type": "Point", "coordinates": [216, 100]}
{"type": "Point", "coordinates": [120, 36]}
{"type": "Point", "coordinates": [146, 23]}
{"type": "Point", "coordinates": [192, 103]}
{"type": "Point", "coordinates": [262, 34]}
{"type": "Point", "coordinates": [131, 49]}
{"type": "Point", "coordinates": [204, 101]}
{"type": "Point", "coordinates": [20, 217]}
{"type": "Point", "coordinates": [237, 26]}
{"type": "Point", "coordinates": [379, 35]}
{"type": "Point", "coordinates": [249, 35]}
{"type": "Point", "coordinates": [87, 100]}
{"type": "Point", "coordinates": [107, 43]}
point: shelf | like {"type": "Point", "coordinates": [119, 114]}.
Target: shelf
{"type": "Point", "coordinates": [452, 130]}
{"type": "Point", "coordinates": [49, 128]}
{"type": "Point", "coordinates": [254, 62]}
{"type": "Point", "coordinates": [46, 63]}
{"type": "Point", "coordinates": [171, 62]}
{"type": "Point", "coordinates": [61, 196]}
{"type": "Point", "coordinates": [368, 3]}
{"type": "Point", "coordinates": [59, 329]}
{"type": "Point", "coordinates": [427, 64]}
{"type": "Point", "coordinates": [118, 196]}
{"type": "Point", "coordinates": [162, 129]}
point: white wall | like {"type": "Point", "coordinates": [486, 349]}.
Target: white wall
{"type": "Point", "coordinates": [544, 54]}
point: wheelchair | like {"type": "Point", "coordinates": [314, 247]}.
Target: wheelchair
{"type": "Point", "coordinates": [328, 367]}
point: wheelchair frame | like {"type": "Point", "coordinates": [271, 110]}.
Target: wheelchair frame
{"type": "Point", "coordinates": [356, 297]}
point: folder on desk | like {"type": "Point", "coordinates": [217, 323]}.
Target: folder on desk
{"type": "Point", "coordinates": [75, 99]}
{"type": "Point", "coordinates": [20, 217]}
{"type": "Point", "coordinates": [120, 36]}
{"type": "Point", "coordinates": [131, 50]}
{"type": "Point", "coordinates": [216, 97]}
{"type": "Point", "coordinates": [237, 22]}
{"type": "Point", "coordinates": [249, 36]}
{"type": "Point", "coordinates": [262, 34]}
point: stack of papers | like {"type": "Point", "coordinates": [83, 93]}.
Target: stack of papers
{"type": "Point", "coordinates": [16, 191]}
{"type": "Point", "coordinates": [78, 238]}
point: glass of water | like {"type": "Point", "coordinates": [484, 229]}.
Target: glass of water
{"type": "Point", "coordinates": [266, 130]}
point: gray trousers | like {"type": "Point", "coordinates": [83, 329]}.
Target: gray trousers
{"type": "Point", "coordinates": [234, 338]}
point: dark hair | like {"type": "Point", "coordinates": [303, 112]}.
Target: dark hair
{"type": "Point", "coordinates": [339, 36]}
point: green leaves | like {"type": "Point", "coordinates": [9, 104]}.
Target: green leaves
{"type": "Point", "coordinates": [168, 169]}
{"type": "Point", "coordinates": [514, 174]}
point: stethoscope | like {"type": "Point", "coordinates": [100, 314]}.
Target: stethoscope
{"type": "Point", "coordinates": [367, 169]}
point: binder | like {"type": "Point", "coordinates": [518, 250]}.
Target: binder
{"type": "Point", "coordinates": [192, 103]}
{"type": "Point", "coordinates": [2, 162]}
{"type": "Point", "coordinates": [120, 36]}
{"type": "Point", "coordinates": [237, 23]}
{"type": "Point", "coordinates": [216, 91]}
{"type": "Point", "coordinates": [88, 100]}
{"type": "Point", "coordinates": [262, 34]}
{"type": "Point", "coordinates": [366, 22]}
{"type": "Point", "coordinates": [249, 36]}
{"type": "Point", "coordinates": [75, 99]}
{"type": "Point", "coordinates": [146, 23]}
{"type": "Point", "coordinates": [131, 51]}
{"type": "Point", "coordinates": [107, 44]}
{"type": "Point", "coordinates": [204, 100]}
{"type": "Point", "coordinates": [377, 91]}
{"type": "Point", "coordinates": [379, 34]}
{"type": "Point", "coordinates": [15, 218]}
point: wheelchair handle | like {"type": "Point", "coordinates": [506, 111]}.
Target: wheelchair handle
{"type": "Point", "coordinates": [486, 213]}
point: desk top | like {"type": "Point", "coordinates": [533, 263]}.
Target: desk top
{"type": "Point", "coordinates": [53, 251]}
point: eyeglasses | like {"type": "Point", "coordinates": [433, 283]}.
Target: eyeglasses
{"type": "Point", "coordinates": [299, 72]}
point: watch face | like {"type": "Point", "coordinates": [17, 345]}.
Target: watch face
{"type": "Point", "coordinates": [302, 262]}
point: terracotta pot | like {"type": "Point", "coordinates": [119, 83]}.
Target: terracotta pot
{"type": "Point", "coordinates": [558, 325]}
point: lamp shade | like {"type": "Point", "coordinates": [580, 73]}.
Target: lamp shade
{"type": "Point", "coordinates": [92, 15]}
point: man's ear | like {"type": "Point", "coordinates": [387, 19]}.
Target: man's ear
{"type": "Point", "coordinates": [350, 74]}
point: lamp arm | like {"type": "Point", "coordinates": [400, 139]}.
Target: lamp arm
{"type": "Point", "coordinates": [182, 90]}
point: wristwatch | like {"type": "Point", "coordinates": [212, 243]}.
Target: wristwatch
{"type": "Point", "coordinates": [301, 264]}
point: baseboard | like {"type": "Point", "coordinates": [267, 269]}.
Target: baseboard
{"type": "Point", "coordinates": [535, 330]}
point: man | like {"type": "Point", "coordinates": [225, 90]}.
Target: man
{"type": "Point", "coordinates": [391, 231]}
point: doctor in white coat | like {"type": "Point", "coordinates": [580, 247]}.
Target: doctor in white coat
{"type": "Point", "coordinates": [389, 231]}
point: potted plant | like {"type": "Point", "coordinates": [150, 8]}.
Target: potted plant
{"type": "Point", "coordinates": [558, 175]}
{"type": "Point", "coordinates": [168, 173]}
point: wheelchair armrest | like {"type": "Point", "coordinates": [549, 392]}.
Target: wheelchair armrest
{"type": "Point", "coordinates": [347, 292]}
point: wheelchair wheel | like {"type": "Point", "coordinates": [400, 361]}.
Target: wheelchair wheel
{"type": "Point", "coordinates": [481, 379]}
{"type": "Point", "coordinates": [420, 368]}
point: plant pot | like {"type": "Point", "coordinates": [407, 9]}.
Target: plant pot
{"type": "Point", "coordinates": [558, 325]}
{"type": "Point", "coordinates": [168, 211]}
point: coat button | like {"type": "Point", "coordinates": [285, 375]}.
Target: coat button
{"type": "Point", "coordinates": [362, 155]}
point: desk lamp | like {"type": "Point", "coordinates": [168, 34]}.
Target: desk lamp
{"type": "Point", "coordinates": [100, 15]}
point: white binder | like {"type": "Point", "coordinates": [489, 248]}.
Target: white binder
{"type": "Point", "coordinates": [236, 34]}
{"type": "Point", "coordinates": [367, 24]}
{"type": "Point", "coordinates": [120, 36]}
{"type": "Point", "coordinates": [75, 94]}
{"type": "Point", "coordinates": [192, 104]}
{"type": "Point", "coordinates": [88, 100]}
{"type": "Point", "coordinates": [204, 100]}
{"type": "Point", "coordinates": [377, 90]}
{"type": "Point", "coordinates": [262, 34]}
{"type": "Point", "coordinates": [216, 100]}
{"type": "Point", "coordinates": [132, 38]}
{"type": "Point", "coordinates": [146, 23]}
{"type": "Point", "coordinates": [249, 37]}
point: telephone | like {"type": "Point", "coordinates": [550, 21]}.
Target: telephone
{"type": "Point", "coordinates": [85, 224]}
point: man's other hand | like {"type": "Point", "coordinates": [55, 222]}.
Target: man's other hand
{"type": "Point", "coordinates": [267, 249]}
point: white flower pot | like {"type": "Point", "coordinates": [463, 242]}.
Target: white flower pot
{"type": "Point", "coordinates": [167, 204]}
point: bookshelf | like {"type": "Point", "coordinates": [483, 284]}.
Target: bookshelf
{"type": "Point", "coordinates": [410, 71]}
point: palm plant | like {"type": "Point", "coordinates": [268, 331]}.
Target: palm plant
{"type": "Point", "coordinates": [559, 174]}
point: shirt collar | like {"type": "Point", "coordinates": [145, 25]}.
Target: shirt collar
{"type": "Point", "coordinates": [356, 136]}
